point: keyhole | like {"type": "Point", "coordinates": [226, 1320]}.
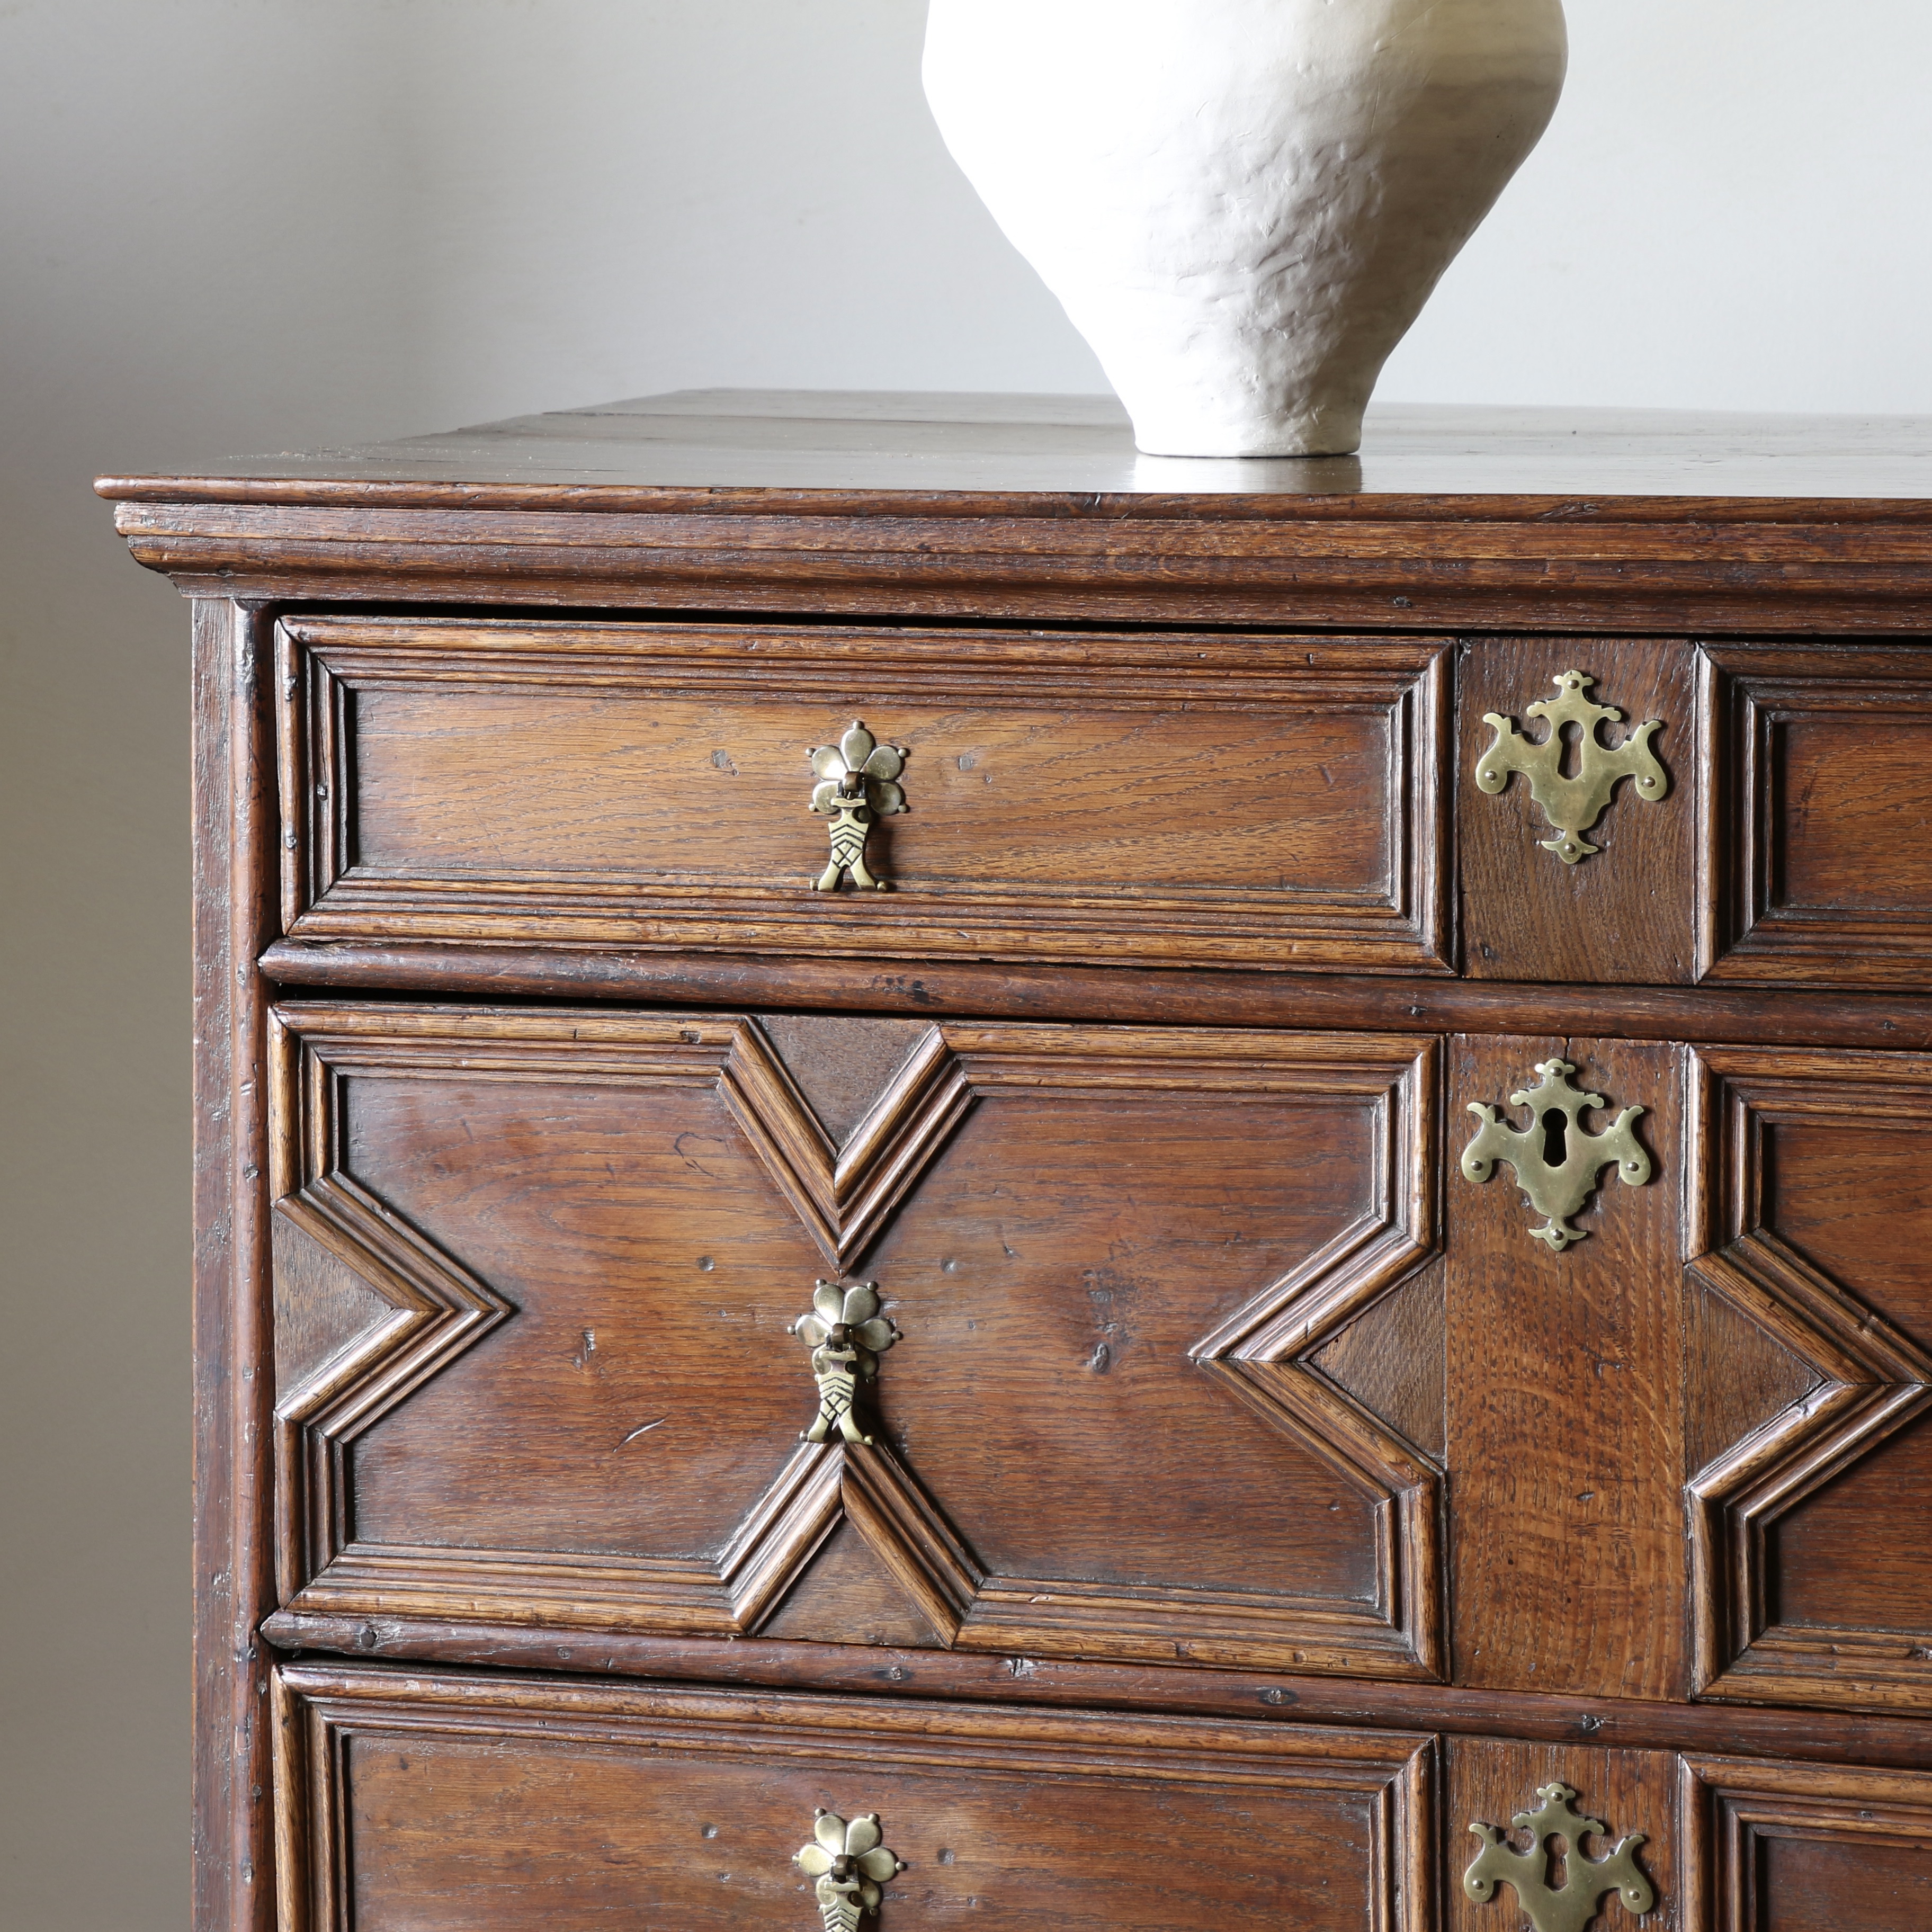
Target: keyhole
{"type": "Point", "coordinates": [1555, 1131]}
{"type": "Point", "coordinates": [1558, 1874]}
{"type": "Point", "coordinates": [1571, 761]}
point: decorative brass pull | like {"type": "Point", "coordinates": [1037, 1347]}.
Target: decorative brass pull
{"type": "Point", "coordinates": [1556, 1188]}
{"type": "Point", "coordinates": [847, 1335]}
{"type": "Point", "coordinates": [1572, 804]}
{"type": "Point", "coordinates": [851, 1864]}
{"type": "Point", "coordinates": [1570, 1906]}
{"type": "Point", "coordinates": [855, 786]}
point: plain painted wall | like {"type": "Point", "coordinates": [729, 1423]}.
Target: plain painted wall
{"type": "Point", "coordinates": [235, 225]}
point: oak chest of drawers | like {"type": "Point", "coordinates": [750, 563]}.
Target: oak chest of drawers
{"type": "Point", "coordinates": [946, 1177]}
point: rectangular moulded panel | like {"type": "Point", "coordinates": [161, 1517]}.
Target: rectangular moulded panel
{"type": "Point", "coordinates": [1817, 816]}
{"type": "Point", "coordinates": [420, 1802]}
{"type": "Point", "coordinates": [1206, 800]}
{"type": "Point", "coordinates": [1771, 1847]}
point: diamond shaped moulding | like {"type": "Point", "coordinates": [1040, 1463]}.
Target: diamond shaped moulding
{"type": "Point", "coordinates": [1266, 1357]}
{"type": "Point", "coordinates": [845, 1198]}
{"type": "Point", "coordinates": [1866, 1380]}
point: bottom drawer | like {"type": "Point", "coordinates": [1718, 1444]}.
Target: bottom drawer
{"type": "Point", "coordinates": [428, 1801]}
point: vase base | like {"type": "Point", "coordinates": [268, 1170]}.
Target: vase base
{"type": "Point", "coordinates": [1309, 451]}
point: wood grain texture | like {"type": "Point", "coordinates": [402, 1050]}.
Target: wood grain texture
{"type": "Point", "coordinates": [1393, 1358]}
{"type": "Point", "coordinates": [1568, 1560]}
{"type": "Point", "coordinates": [1622, 1722]}
{"type": "Point", "coordinates": [846, 1595]}
{"type": "Point", "coordinates": [719, 444]}
{"type": "Point", "coordinates": [841, 1066]}
{"type": "Point", "coordinates": [968, 989]}
{"type": "Point", "coordinates": [1483, 520]}
{"type": "Point", "coordinates": [1817, 817]}
{"type": "Point", "coordinates": [1811, 1580]}
{"type": "Point", "coordinates": [429, 1801]}
{"type": "Point", "coordinates": [322, 1307]}
{"type": "Point", "coordinates": [1628, 1791]}
{"type": "Point", "coordinates": [1797, 1848]}
{"type": "Point", "coordinates": [234, 915]}
{"type": "Point", "coordinates": [1224, 1408]}
{"type": "Point", "coordinates": [1739, 1376]}
{"type": "Point", "coordinates": [1109, 1252]}
{"type": "Point", "coordinates": [1245, 800]}
{"type": "Point", "coordinates": [1624, 915]}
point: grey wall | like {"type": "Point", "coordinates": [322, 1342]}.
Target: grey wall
{"type": "Point", "coordinates": [244, 224]}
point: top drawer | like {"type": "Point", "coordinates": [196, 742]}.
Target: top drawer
{"type": "Point", "coordinates": [1207, 799]}
{"type": "Point", "coordinates": [1181, 799]}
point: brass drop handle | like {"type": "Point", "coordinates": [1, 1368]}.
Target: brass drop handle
{"type": "Point", "coordinates": [855, 786]}
{"type": "Point", "coordinates": [1573, 805]}
{"type": "Point", "coordinates": [847, 1335]}
{"type": "Point", "coordinates": [849, 1863]}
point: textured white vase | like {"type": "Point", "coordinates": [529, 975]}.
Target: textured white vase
{"type": "Point", "coordinates": [1243, 204]}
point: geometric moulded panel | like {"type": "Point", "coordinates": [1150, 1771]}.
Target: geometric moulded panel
{"type": "Point", "coordinates": [1811, 1556]}
{"type": "Point", "coordinates": [1109, 1255]}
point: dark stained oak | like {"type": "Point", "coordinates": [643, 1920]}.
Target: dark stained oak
{"type": "Point", "coordinates": [233, 912]}
{"type": "Point", "coordinates": [1817, 783]}
{"type": "Point", "coordinates": [1251, 1502]}
{"type": "Point", "coordinates": [718, 441]}
{"type": "Point", "coordinates": [1798, 1848]}
{"type": "Point", "coordinates": [1628, 1791]}
{"type": "Point", "coordinates": [1109, 1252]}
{"type": "Point", "coordinates": [841, 1066]}
{"type": "Point", "coordinates": [972, 989]}
{"type": "Point", "coordinates": [1037, 508]}
{"type": "Point", "coordinates": [1567, 1568]}
{"type": "Point", "coordinates": [1624, 915]}
{"type": "Point", "coordinates": [1393, 1358]}
{"type": "Point", "coordinates": [1738, 1377]}
{"type": "Point", "coordinates": [1244, 800]}
{"type": "Point", "coordinates": [926, 1671]}
{"type": "Point", "coordinates": [1832, 1572]}
{"type": "Point", "coordinates": [431, 1801]}
{"type": "Point", "coordinates": [1808, 1210]}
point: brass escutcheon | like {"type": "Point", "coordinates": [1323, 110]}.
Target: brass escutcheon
{"type": "Point", "coordinates": [1556, 1189]}
{"type": "Point", "coordinates": [850, 1864]}
{"type": "Point", "coordinates": [1570, 1906]}
{"type": "Point", "coordinates": [1573, 805]}
{"type": "Point", "coordinates": [855, 786]}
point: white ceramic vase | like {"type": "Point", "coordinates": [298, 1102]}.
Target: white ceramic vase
{"type": "Point", "coordinates": [1243, 204]}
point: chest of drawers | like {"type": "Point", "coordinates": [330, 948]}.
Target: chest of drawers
{"type": "Point", "coordinates": [940, 1176]}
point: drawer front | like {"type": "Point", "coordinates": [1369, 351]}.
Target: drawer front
{"type": "Point", "coordinates": [427, 1802]}
{"type": "Point", "coordinates": [1817, 817]}
{"type": "Point", "coordinates": [1165, 1345]}
{"type": "Point", "coordinates": [538, 1276]}
{"type": "Point", "coordinates": [1261, 801]}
